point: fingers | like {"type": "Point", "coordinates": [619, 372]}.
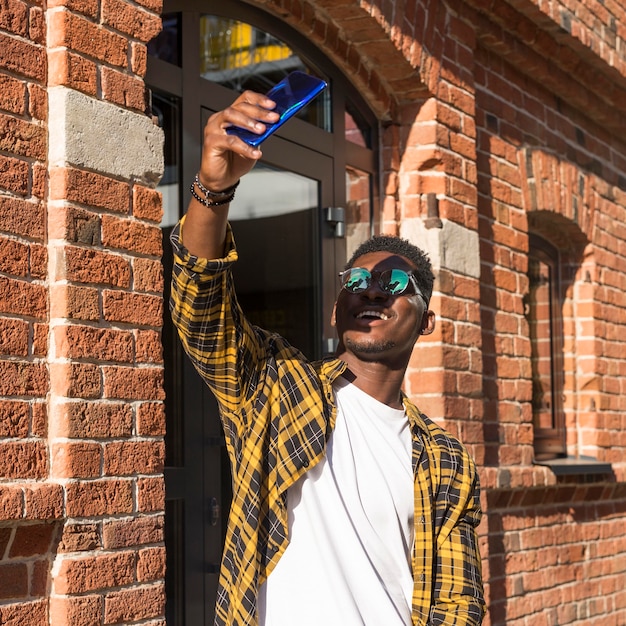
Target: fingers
{"type": "Point", "coordinates": [225, 157]}
{"type": "Point", "coordinates": [250, 111]}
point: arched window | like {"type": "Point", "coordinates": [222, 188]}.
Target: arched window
{"type": "Point", "coordinates": [544, 315]}
{"type": "Point", "coordinates": [296, 219]}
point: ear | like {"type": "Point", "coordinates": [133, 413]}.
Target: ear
{"type": "Point", "coordinates": [428, 323]}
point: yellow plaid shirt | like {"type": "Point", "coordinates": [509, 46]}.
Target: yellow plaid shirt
{"type": "Point", "coordinates": [278, 412]}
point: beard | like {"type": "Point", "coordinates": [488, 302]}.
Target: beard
{"type": "Point", "coordinates": [370, 348]}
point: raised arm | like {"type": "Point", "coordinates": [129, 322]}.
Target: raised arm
{"type": "Point", "coordinates": [225, 159]}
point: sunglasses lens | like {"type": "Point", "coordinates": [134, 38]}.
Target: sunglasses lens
{"type": "Point", "coordinates": [394, 281]}
{"type": "Point", "coordinates": [356, 279]}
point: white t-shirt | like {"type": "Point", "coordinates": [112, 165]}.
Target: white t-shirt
{"type": "Point", "coordinates": [348, 561]}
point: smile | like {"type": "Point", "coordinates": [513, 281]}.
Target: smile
{"type": "Point", "coordinates": [372, 314]}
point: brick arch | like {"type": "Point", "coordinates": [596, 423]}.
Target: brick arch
{"type": "Point", "coordinates": [561, 231]}
{"type": "Point", "coordinates": [553, 186]}
{"type": "Point", "coordinates": [389, 50]}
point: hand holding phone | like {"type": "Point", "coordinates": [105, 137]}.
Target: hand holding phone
{"type": "Point", "coordinates": [291, 94]}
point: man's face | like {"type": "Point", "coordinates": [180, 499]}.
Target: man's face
{"type": "Point", "coordinates": [374, 325]}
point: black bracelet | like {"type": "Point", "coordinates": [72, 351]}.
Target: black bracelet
{"type": "Point", "coordinates": [207, 202]}
{"type": "Point", "coordinates": [215, 194]}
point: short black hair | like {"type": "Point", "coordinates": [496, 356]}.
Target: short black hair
{"type": "Point", "coordinates": [396, 245]}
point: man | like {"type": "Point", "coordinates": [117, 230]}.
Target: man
{"type": "Point", "coordinates": [349, 507]}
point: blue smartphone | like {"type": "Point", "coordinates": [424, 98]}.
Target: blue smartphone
{"type": "Point", "coordinates": [291, 94]}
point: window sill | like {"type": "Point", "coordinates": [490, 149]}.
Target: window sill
{"type": "Point", "coordinates": [576, 466]}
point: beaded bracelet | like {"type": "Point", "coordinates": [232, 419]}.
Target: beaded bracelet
{"type": "Point", "coordinates": [212, 198]}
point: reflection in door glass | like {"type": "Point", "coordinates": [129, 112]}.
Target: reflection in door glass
{"type": "Point", "coordinates": [239, 56]}
{"type": "Point", "coordinates": [274, 220]}
{"type": "Point", "coordinates": [167, 111]}
{"type": "Point", "coordinates": [359, 208]}
{"type": "Point", "coordinates": [166, 45]}
{"type": "Point", "coordinates": [358, 131]}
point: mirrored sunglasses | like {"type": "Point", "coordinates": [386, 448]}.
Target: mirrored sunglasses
{"type": "Point", "coordinates": [394, 282]}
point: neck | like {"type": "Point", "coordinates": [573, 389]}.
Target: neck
{"type": "Point", "coordinates": [376, 379]}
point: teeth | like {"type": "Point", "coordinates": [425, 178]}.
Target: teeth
{"type": "Point", "coordinates": [377, 314]}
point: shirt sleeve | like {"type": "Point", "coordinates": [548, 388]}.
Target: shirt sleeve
{"type": "Point", "coordinates": [222, 345]}
{"type": "Point", "coordinates": [458, 590]}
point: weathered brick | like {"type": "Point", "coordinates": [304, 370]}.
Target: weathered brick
{"type": "Point", "coordinates": [84, 265]}
{"type": "Point", "coordinates": [73, 71]}
{"type": "Point", "coordinates": [139, 58]}
{"type": "Point", "coordinates": [152, 5]}
{"type": "Point", "coordinates": [130, 19]}
{"type": "Point", "coordinates": [151, 419]}
{"type": "Point", "coordinates": [94, 420]}
{"type": "Point", "coordinates": [90, 189]}
{"type": "Point", "coordinates": [14, 577]}
{"type": "Point", "coordinates": [39, 185]}
{"type": "Point", "coordinates": [37, 102]}
{"type": "Point", "coordinates": [14, 17]}
{"type": "Point", "coordinates": [75, 225]}
{"type": "Point", "coordinates": [23, 460]}
{"type": "Point", "coordinates": [22, 57]}
{"type": "Point", "coordinates": [37, 25]}
{"type": "Point", "coordinates": [22, 217]}
{"type": "Point", "coordinates": [18, 297]}
{"type": "Point", "coordinates": [81, 35]}
{"type": "Point", "coordinates": [128, 458]}
{"type": "Point", "coordinates": [95, 573]}
{"type": "Point", "coordinates": [39, 422]}
{"type": "Point", "coordinates": [26, 612]}
{"type": "Point", "coordinates": [99, 497]}
{"type": "Point", "coordinates": [72, 302]}
{"type": "Point", "coordinates": [76, 611]}
{"type": "Point", "coordinates": [150, 494]}
{"type": "Point", "coordinates": [22, 138]}
{"type": "Point", "coordinates": [133, 531]}
{"type": "Point", "coordinates": [23, 379]}
{"type": "Point", "coordinates": [142, 383]}
{"type": "Point", "coordinates": [13, 257]}
{"type": "Point", "coordinates": [38, 261]}
{"type": "Point", "coordinates": [123, 89]}
{"type": "Point", "coordinates": [80, 537]}
{"type": "Point", "coordinates": [13, 338]}
{"type": "Point", "coordinates": [43, 501]}
{"type": "Point", "coordinates": [132, 308]}
{"type": "Point", "coordinates": [76, 380]}
{"type": "Point", "coordinates": [11, 502]}
{"type": "Point", "coordinates": [147, 204]}
{"type": "Point", "coordinates": [39, 344]}
{"type": "Point", "coordinates": [76, 460]}
{"type": "Point", "coordinates": [32, 540]}
{"type": "Point", "coordinates": [14, 418]}
{"type": "Point", "coordinates": [101, 344]}
{"type": "Point", "coordinates": [148, 276]}
{"type": "Point", "coordinates": [148, 346]}
{"type": "Point", "coordinates": [151, 564]}
{"type": "Point", "coordinates": [129, 605]}
{"type": "Point", "coordinates": [12, 95]}
{"type": "Point", "coordinates": [89, 8]}
{"type": "Point", "coordinates": [14, 175]}
{"type": "Point", "coordinates": [131, 235]}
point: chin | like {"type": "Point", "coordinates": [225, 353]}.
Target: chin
{"type": "Point", "coordinates": [369, 348]}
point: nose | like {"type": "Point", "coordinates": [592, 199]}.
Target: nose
{"type": "Point", "coordinates": [374, 291]}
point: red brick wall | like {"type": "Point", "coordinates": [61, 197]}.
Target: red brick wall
{"type": "Point", "coordinates": [81, 413]}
